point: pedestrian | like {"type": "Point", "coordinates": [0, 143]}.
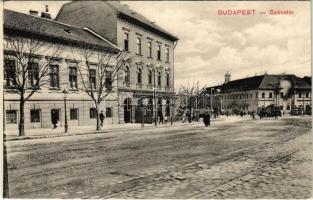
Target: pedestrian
{"type": "Point", "coordinates": [161, 119]}
{"type": "Point", "coordinates": [101, 118]}
{"type": "Point", "coordinates": [165, 119]}
{"type": "Point", "coordinates": [206, 119]}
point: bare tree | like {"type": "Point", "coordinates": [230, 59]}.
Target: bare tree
{"type": "Point", "coordinates": [99, 71]}
{"type": "Point", "coordinates": [192, 95]}
{"type": "Point", "coordinates": [27, 68]}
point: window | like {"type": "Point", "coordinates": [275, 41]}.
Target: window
{"type": "Point", "coordinates": [126, 75]}
{"type": "Point", "coordinates": [73, 113]}
{"type": "Point", "coordinates": [93, 113]}
{"type": "Point", "coordinates": [34, 116]}
{"type": "Point", "coordinates": [126, 41]}
{"type": "Point", "coordinates": [149, 49]}
{"type": "Point", "coordinates": [33, 74]}
{"type": "Point", "coordinates": [307, 95]}
{"type": "Point", "coordinates": [167, 80]}
{"type": "Point", "coordinates": [159, 78]}
{"type": "Point", "coordinates": [281, 95]}
{"type": "Point", "coordinates": [288, 107]}
{"type": "Point", "coordinates": [9, 72]}
{"type": "Point", "coordinates": [108, 81]}
{"type": "Point", "coordinates": [159, 52]}
{"type": "Point", "coordinates": [300, 95]}
{"type": "Point", "coordinates": [167, 51]}
{"type": "Point", "coordinates": [263, 95]}
{"type": "Point", "coordinates": [150, 77]}
{"type": "Point", "coordinates": [92, 78]}
{"type": "Point", "coordinates": [256, 95]}
{"type": "Point", "coordinates": [270, 95]}
{"type": "Point", "coordinates": [11, 116]}
{"type": "Point", "coordinates": [139, 76]}
{"type": "Point", "coordinates": [108, 112]}
{"type": "Point", "coordinates": [73, 77]}
{"type": "Point", "coordinates": [251, 95]}
{"type": "Point", "coordinates": [138, 45]}
{"type": "Point", "coordinates": [54, 76]}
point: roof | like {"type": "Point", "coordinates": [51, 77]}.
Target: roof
{"type": "Point", "coordinates": [121, 11]}
{"type": "Point", "coordinates": [131, 13]}
{"type": "Point", "coordinates": [47, 27]}
{"type": "Point", "coordinates": [266, 82]}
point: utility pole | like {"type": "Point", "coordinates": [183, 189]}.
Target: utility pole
{"type": "Point", "coordinates": [154, 96]}
{"type": "Point", "coordinates": [211, 99]}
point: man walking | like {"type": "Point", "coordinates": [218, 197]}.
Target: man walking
{"type": "Point", "coordinates": [101, 118]}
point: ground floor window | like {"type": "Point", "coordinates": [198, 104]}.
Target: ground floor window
{"type": "Point", "coordinates": [35, 116]}
{"type": "Point", "coordinates": [93, 113]}
{"type": "Point", "coordinates": [11, 116]}
{"type": "Point", "coordinates": [108, 112]}
{"type": "Point", "coordinates": [73, 113]}
{"type": "Point", "coordinates": [288, 107]}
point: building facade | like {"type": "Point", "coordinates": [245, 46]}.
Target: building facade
{"type": "Point", "coordinates": [285, 91]}
{"type": "Point", "coordinates": [59, 47]}
{"type": "Point", "coordinates": [149, 77]}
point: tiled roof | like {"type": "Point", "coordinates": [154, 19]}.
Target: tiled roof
{"type": "Point", "coordinates": [93, 11]}
{"type": "Point", "coordinates": [50, 28]}
{"type": "Point", "coordinates": [261, 82]}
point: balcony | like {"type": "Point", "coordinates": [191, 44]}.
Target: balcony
{"type": "Point", "coordinates": [139, 86]}
{"type": "Point", "coordinates": [149, 87]}
{"type": "Point", "coordinates": [126, 84]}
{"type": "Point", "coordinates": [168, 89]}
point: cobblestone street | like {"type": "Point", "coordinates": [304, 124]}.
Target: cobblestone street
{"type": "Point", "coordinates": [235, 158]}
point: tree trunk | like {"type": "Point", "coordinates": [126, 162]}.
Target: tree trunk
{"type": "Point", "coordinates": [5, 173]}
{"type": "Point", "coordinates": [21, 129]}
{"type": "Point", "coordinates": [98, 119]}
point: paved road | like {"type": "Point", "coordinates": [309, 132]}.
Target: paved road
{"type": "Point", "coordinates": [235, 158]}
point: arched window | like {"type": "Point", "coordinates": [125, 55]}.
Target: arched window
{"type": "Point", "coordinates": [150, 76]}
{"type": "Point", "coordinates": [167, 79]}
{"type": "Point", "coordinates": [139, 76]}
{"type": "Point", "coordinates": [159, 78]}
{"type": "Point", "coordinates": [126, 74]}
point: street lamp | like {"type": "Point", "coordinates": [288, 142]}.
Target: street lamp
{"type": "Point", "coordinates": [65, 92]}
{"type": "Point", "coordinates": [143, 109]}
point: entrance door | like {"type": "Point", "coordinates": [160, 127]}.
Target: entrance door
{"type": "Point", "coordinates": [127, 111]}
{"type": "Point", "coordinates": [55, 116]}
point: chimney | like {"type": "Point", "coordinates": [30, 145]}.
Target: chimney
{"type": "Point", "coordinates": [227, 77]}
{"type": "Point", "coordinates": [46, 14]}
{"type": "Point", "coordinates": [33, 12]}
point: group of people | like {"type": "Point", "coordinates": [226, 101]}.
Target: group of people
{"type": "Point", "coordinates": [206, 118]}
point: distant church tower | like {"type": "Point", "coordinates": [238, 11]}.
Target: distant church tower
{"type": "Point", "coordinates": [227, 77]}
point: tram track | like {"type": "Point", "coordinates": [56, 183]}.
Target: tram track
{"type": "Point", "coordinates": [235, 155]}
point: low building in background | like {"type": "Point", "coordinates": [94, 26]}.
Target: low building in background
{"type": "Point", "coordinates": [286, 91]}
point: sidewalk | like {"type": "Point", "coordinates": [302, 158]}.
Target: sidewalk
{"type": "Point", "coordinates": [80, 130]}
{"type": "Point", "coordinates": [37, 133]}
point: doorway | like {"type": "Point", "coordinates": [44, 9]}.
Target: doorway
{"type": "Point", "coordinates": [127, 110]}
{"type": "Point", "coordinates": [55, 115]}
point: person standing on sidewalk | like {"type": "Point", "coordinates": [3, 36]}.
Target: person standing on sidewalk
{"type": "Point", "coordinates": [101, 118]}
{"type": "Point", "coordinates": [206, 119]}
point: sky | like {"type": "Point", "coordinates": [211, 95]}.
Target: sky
{"type": "Point", "coordinates": [210, 44]}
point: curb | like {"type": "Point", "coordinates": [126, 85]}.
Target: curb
{"type": "Point", "coordinates": [95, 132]}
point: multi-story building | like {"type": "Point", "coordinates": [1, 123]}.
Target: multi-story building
{"type": "Point", "coordinates": [285, 90]}
{"type": "Point", "coordinates": [47, 36]}
{"type": "Point", "coordinates": [150, 47]}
